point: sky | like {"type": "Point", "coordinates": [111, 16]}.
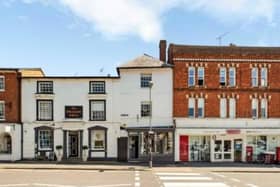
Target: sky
{"type": "Point", "coordinates": [92, 37]}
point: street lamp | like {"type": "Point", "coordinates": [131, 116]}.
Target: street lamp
{"type": "Point", "coordinates": [150, 124]}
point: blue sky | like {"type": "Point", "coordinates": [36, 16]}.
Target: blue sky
{"type": "Point", "coordinates": [80, 37]}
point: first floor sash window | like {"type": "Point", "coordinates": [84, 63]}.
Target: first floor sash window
{"type": "Point", "coordinates": [97, 112]}
{"type": "Point", "coordinates": [45, 110]}
{"type": "Point", "coordinates": [191, 112]}
{"type": "Point", "coordinates": [2, 110]}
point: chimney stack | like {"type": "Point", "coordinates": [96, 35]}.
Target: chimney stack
{"type": "Point", "coordinates": [162, 50]}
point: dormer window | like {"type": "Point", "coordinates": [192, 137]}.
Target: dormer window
{"type": "Point", "coordinates": [45, 87]}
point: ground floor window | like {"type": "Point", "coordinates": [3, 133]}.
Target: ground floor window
{"type": "Point", "coordinates": [98, 140]}
{"type": "Point", "coordinates": [199, 148]}
{"type": "Point", "coordinates": [45, 139]}
{"type": "Point", "coordinates": [259, 145]}
{"type": "Point", "coordinates": [5, 143]}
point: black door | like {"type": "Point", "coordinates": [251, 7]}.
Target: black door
{"type": "Point", "coordinates": [133, 148]}
{"type": "Point", "coordinates": [122, 149]}
{"type": "Point", "coordinates": [73, 145]}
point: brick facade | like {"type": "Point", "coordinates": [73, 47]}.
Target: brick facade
{"type": "Point", "coordinates": [212, 58]}
{"type": "Point", "coordinates": [11, 95]}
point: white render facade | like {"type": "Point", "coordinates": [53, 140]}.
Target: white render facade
{"type": "Point", "coordinates": [83, 117]}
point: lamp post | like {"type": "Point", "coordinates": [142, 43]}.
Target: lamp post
{"type": "Point", "coordinates": [150, 125]}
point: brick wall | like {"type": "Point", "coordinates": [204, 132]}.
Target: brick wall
{"type": "Point", "coordinates": [211, 92]}
{"type": "Point", "coordinates": [11, 96]}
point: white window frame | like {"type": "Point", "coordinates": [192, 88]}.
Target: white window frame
{"type": "Point", "coordinates": [43, 116]}
{"type": "Point", "coordinates": [40, 84]}
{"type": "Point", "coordinates": [264, 76]}
{"type": "Point", "coordinates": [223, 108]}
{"type": "Point", "coordinates": [2, 118]}
{"type": "Point", "coordinates": [223, 75]}
{"type": "Point", "coordinates": [92, 116]}
{"type": "Point", "coordinates": [255, 106]}
{"type": "Point", "coordinates": [191, 104]}
{"type": "Point", "coordinates": [145, 79]}
{"type": "Point", "coordinates": [254, 77]}
{"type": "Point", "coordinates": [200, 104]}
{"type": "Point", "coordinates": [264, 105]}
{"type": "Point", "coordinates": [2, 77]}
{"type": "Point", "coordinates": [232, 107]}
{"type": "Point", "coordinates": [49, 136]}
{"type": "Point", "coordinates": [232, 77]}
{"type": "Point", "coordinates": [97, 87]}
{"type": "Point", "coordinates": [191, 69]}
{"type": "Point", "coordinates": [200, 75]}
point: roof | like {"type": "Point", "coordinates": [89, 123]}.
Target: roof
{"type": "Point", "coordinates": [31, 72]}
{"type": "Point", "coordinates": [231, 49]}
{"type": "Point", "coordinates": [143, 61]}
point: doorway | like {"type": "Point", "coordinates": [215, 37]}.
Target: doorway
{"type": "Point", "coordinates": [73, 144]}
{"type": "Point", "coordinates": [223, 150]}
{"type": "Point", "coordinates": [238, 150]}
{"type": "Point", "coordinates": [134, 147]}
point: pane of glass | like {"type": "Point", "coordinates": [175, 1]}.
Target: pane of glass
{"type": "Point", "coordinates": [227, 146]}
{"type": "Point", "coordinates": [218, 145]}
{"type": "Point", "coordinates": [227, 156]}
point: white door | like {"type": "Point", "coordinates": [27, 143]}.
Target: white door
{"type": "Point", "coordinates": [223, 150]}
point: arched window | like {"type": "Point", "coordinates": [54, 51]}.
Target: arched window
{"type": "Point", "coordinates": [5, 143]}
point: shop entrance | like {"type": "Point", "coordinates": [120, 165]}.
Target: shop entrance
{"type": "Point", "coordinates": [73, 144]}
{"type": "Point", "coordinates": [238, 150]}
{"type": "Point", "coordinates": [223, 150]}
{"type": "Point", "coordinates": [134, 147]}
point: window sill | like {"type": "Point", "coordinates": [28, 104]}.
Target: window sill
{"type": "Point", "coordinates": [92, 93]}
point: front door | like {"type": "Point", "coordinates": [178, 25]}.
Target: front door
{"type": "Point", "coordinates": [133, 147]}
{"type": "Point", "coordinates": [184, 148]}
{"type": "Point", "coordinates": [237, 150]}
{"type": "Point", "coordinates": [223, 150]}
{"type": "Point", "coordinates": [73, 145]}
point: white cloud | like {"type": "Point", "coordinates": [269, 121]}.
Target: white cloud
{"type": "Point", "coordinates": [143, 18]}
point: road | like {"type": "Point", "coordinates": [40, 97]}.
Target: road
{"type": "Point", "coordinates": [158, 177]}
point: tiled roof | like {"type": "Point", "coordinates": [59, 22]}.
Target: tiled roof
{"type": "Point", "coordinates": [144, 61]}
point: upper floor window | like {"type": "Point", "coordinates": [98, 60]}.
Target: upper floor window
{"type": "Point", "coordinates": [44, 110]}
{"type": "Point", "coordinates": [264, 77]}
{"type": "Point", "coordinates": [2, 110]}
{"type": "Point", "coordinates": [97, 110]}
{"type": "Point", "coordinates": [223, 107]}
{"type": "Point", "coordinates": [255, 108]}
{"type": "Point", "coordinates": [146, 109]}
{"type": "Point", "coordinates": [191, 79]}
{"type": "Point", "coordinates": [97, 87]}
{"type": "Point", "coordinates": [145, 80]}
{"type": "Point", "coordinates": [45, 87]}
{"type": "Point", "coordinates": [200, 104]}
{"type": "Point", "coordinates": [264, 108]}
{"type": "Point", "coordinates": [2, 83]}
{"type": "Point", "coordinates": [232, 75]}
{"type": "Point", "coordinates": [232, 107]}
{"type": "Point", "coordinates": [200, 77]}
{"type": "Point", "coordinates": [223, 76]}
{"type": "Point", "coordinates": [191, 111]}
{"type": "Point", "coordinates": [254, 74]}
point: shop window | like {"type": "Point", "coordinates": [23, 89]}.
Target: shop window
{"type": "Point", "coordinates": [5, 143]}
{"type": "Point", "coordinates": [145, 80]}
{"type": "Point", "coordinates": [163, 143]}
{"type": "Point", "coordinates": [259, 144]}
{"type": "Point", "coordinates": [223, 76]}
{"type": "Point", "coordinates": [200, 77]}
{"type": "Point", "coordinates": [45, 139]}
{"type": "Point", "coordinates": [199, 148]}
{"type": "Point", "coordinates": [191, 110]}
{"type": "Point", "coordinates": [98, 139]}
{"type": "Point", "coordinates": [191, 76]}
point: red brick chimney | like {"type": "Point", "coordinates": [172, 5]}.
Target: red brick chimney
{"type": "Point", "coordinates": [162, 50]}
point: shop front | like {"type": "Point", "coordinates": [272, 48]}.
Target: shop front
{"type": "Point", "coordinates": [160, 141]}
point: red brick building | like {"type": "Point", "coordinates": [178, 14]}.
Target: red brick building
{"type": "Point", "coordinates": [10, 120]}
{"type": "Point", "coordinates": [226, 102]}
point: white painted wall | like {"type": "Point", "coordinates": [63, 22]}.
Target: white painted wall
{"type": "Point", "coordinates": [131, 95]}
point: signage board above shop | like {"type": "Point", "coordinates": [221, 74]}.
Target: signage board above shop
{"type": "Point", "coordinates": [74, 112]}
{"type": "Point", "coordinates": [233, 131]}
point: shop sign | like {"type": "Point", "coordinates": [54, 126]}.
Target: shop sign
{"type": "Point", "coordinates": [233, 131]}
{"type": "Point", "coordinates": [73, 112]}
